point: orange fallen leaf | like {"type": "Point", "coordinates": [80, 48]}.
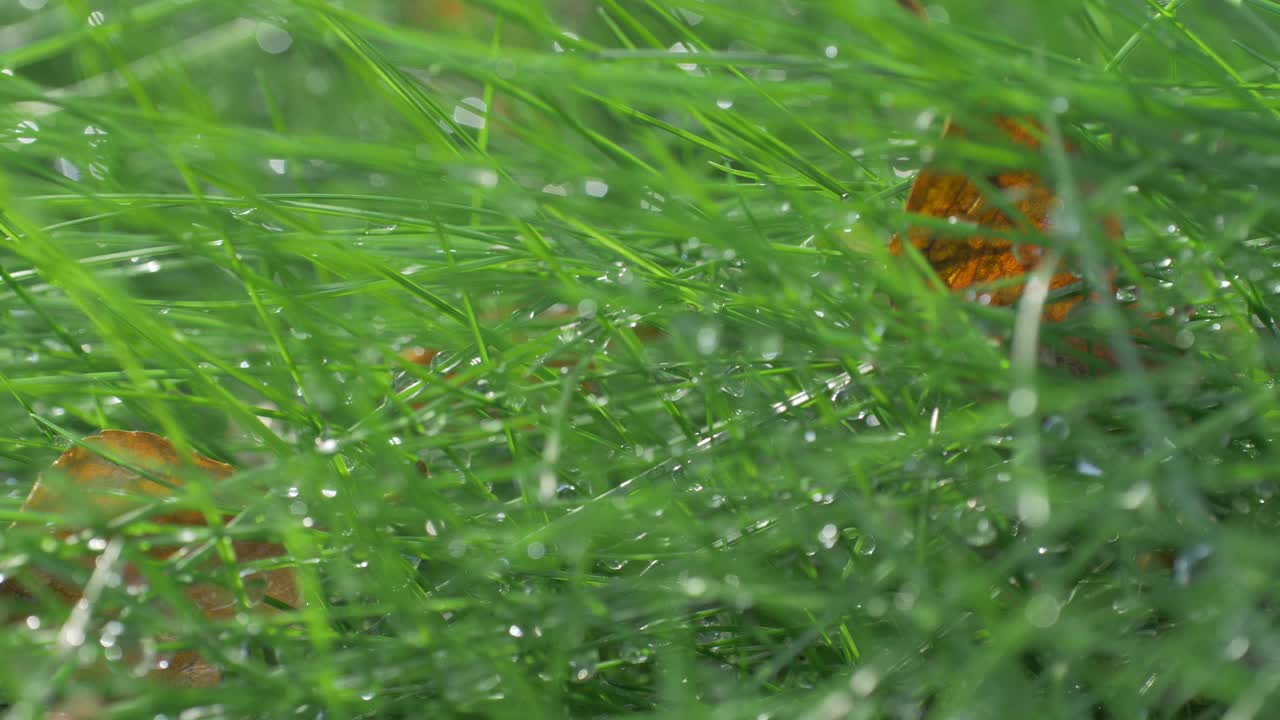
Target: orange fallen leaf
{"type": "Point", "coordinates": [984, 258]}
{"type": "Point", "coordinates": [112, 489]}
{"type": "Point", "coordinates": [434, 13]}
{"type": "Point", "coordinates": [987, 261]}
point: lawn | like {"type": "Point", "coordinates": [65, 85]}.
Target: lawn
{"type": "Point", "coordinates": [559, 347]}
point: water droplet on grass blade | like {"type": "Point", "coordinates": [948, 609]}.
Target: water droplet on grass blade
{"type": "Point", "coordinates": [272, 39]}
{"type": "Point", "coordinates": [1033, 507]}
{"type": "Point", "coordinates": [27, 130]}
{"type": "Point", "coordinates": [1022, 402]}
{"type": "Point", "coordinates": [470, 113]}
{"type": "Point", "coordinates": [1189, 562]}
{"type": "Point", "coordinates": [1043, 611]}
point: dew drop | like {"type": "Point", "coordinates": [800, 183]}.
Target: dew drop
{"type": "Point", "coordinates": [1033, 507]}
{"type": "Point", "coordinates": [1043, 610]}
{"type": "Point", "coordinates": [1022, 402]}
{"type": "Point", "coordinates": [470, 113]}
{"type": "Point", "coordinates": [26, 131]}
{"type": "Point", "coordinates": [272, 39]}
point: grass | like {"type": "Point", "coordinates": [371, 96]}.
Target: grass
{"type": "Point", "coordinates": [824, 491]}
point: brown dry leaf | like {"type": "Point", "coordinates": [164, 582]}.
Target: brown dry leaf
{"type": "Point", "coordinates": [112, 489]}
{"type": "Point", "coordinates": [982, 259]}
{"type": "Point", "coordinates": [434, 13]}
{"type": "Point", "coordinates": [996, 266]}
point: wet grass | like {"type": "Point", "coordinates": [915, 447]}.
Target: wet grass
{"type": "Point", "coordinates": [695, 446]}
